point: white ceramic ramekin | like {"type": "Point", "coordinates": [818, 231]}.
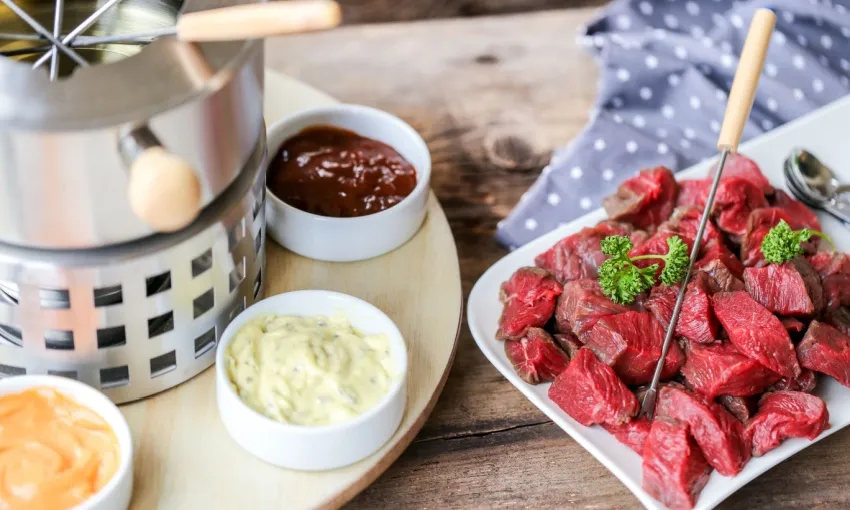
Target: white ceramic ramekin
{"type": "Point", "coordinates": [322, 447]}
{"type": "Point", "coordinates": [116, 494]}
{"type": "Point", "coordinates": [364, 237]}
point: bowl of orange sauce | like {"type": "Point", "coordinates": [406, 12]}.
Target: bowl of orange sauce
{"type": "Point", "coordinates": [63, 445]}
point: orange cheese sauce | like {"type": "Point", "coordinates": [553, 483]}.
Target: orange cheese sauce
{"type": "Point", "coordinates": [54, 452]}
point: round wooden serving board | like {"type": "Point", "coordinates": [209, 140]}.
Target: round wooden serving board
{"type": "Point", "coordinates": [185, 460]}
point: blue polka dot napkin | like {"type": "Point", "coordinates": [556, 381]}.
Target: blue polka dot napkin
{"type": "Point", "coordinates": [666, 67]}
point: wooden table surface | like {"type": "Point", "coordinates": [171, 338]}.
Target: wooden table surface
{"type": "Point", "coordinates": [492, 96]}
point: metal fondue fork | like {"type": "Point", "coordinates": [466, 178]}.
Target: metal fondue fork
{"type": "Point", "coordinates": [737, 112]}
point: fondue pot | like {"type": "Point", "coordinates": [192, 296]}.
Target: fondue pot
{"type": "Point", "coordinates": [132, 185]}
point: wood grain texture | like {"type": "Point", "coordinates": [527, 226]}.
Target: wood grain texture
{"type": "Point", "coordinates": [185, 459]}
{"type": "Point", "coordinates": [493, 96]}
{"type": "Point", "coordinates": [382, 11]}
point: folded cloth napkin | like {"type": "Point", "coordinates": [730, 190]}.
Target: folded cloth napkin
{"type": "Point", "coordinates": [666, 68]}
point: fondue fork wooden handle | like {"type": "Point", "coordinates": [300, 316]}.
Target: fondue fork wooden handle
{"type": "Point", "coordinates": [746, 81]}
{"type": "Point", "coordinates": [256, 21]}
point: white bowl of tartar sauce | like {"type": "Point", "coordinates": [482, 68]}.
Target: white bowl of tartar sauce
{"type": "Point", "coordinates": [311, 380]}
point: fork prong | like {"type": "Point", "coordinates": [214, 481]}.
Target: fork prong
{"type": "Point", "coordinates": [57, 29]}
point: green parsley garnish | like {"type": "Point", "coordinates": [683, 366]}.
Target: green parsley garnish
{"type": "Point", "coordinates": [621, 280]}
{"type": "Point", "coordinates": [782, 243]}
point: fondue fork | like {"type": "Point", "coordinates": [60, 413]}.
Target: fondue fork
{"type": "Point", "coordinates": [738, 109]}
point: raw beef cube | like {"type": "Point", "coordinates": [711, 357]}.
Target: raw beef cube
{"type": "Point", "coordinates": [758, 225]}
{"type": "Point", "coordinates": [696, 320]}
{"type": "Point", "coordinates": [826, 350]}
{"type": "Point", "coordinates": [792, 325]}
{"type": "Point", "coordinates": [674, 469]}
{"type": "Point", "coordinates": [569, 343]}
{"type": "Point", "coordinates": [657, 244]}
{"type": "Point", "coordinates": [742, 408]}
{"type": "Point", "coordinates": [756, 332]}
{"type": "Point", "coordinates": [792, 288]}
{"type": "Point", "coordinates": [529, 301]}
{"type": "Point", "coordinates": [806, 382]}
{"type": "Point", "coordinates": [718, 252]}
{"type": "Point", "coordinates": [834, 271]}
{"type": "Point", "coordinates": [632, 434]}
{"type": "Point", "coordinates": [590, 392]}
{"type": "Point", "coordinates": [721, 370]}
{"type": "Point", "coordinates": [736, 198]}
{"type": "Point", "coordinates": [803, 216]}
{"type": "Point", "coordinates": [535, 357]}
{"type": "Point", "coordinates": [719, 435]}
{"type": "Point", "coordinates": [784, 414]}
{"type": "Point", "coordinates": [721, 278]}
{"type": "Point", "coordinates": [693, 193]}
{"type": "Point", "coordinates": [839, 319]}
{"type": "Point", "coordinates": [580, 255]}
{"type": "Point", "coordinates": [742, 167]}
{"type": "Point", "coordinates": [685, 222]}
{"type": "Point", "coordinates": [581, 305]}
{"type": "Point", "coordinates": [631, 343]}
{"type": "Point", "coordinates": [644, 200]}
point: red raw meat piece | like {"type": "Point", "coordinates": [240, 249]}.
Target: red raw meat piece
{"type": "Point", "coordinates": [655, 245]}
{"type": "Point", "coordinates": [639, 236]}
{"type": "Point", "coordinates": [736, 198]}
{"type": "Point", "coordinates": [756, 332]}
{"type": "Point", "coordinates": [742, 408]}
{"type": "Point", "coordinates": [721, 370]}
{"type": "Point", "coordinates": [803, 216]}
{"type": "Point", "coordinates": [721, 277]}
{"type": "Point", "coordinates": [834, 271]}
{"type": "Point", "coordinates": [581, 305]}
{"type": "Point", "coordinates": [719, 435]}
{"type": "Point", "coordinates": [696, 320]}
{"type": "Point", "coordinates": [693, 193]}
{"type": "Point", "coordinates": [644, 200]}
{"type": "Point", "coordinates": [590, 392]}
{"type": "Point", "coordinates": [631, 343]}
{"type": "Point", "coordinates": [826, 350]}
{"type": "Point", "coordinates": [784, 414]}
{"type": "Point", "coordinates": [674, 469]}
{"type": "Point", "coordinates": [685, 222]}
{"type": "Point", "coordinates": [792, 325]}
{"type": "Point", "coordinates": [569, 343]}
{"type": "Point", "coordinates": [739, 166]}
{"type": "Point", "coordinates": [580, 255]}
{"type": "Point", "coordinates": [529, 301]}
{"type": "Point", "coordinates": [632, 434]}
{"type": "Point", "coordinates": [839, 319]}
{"type": "Point", "coordinates": [536, 358]}
{"type": "Point", "coordinates": [758, 225]}
{"type": "Point", "coordinates": [792, 288]}
{"type": "Point", "coordinates": [717, 251]}
{"type": "Point", "coordinates": [806, 382]}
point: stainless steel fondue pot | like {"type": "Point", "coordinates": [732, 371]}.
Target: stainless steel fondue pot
{"type": "Point", "coordinates": [132, 192]}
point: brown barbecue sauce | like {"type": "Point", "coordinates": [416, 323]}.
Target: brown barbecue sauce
{"type": "Point", "coordinates": [334, 172]}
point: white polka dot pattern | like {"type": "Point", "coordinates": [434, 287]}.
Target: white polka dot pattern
{"type": "Point", "coordinates": [667, 66]}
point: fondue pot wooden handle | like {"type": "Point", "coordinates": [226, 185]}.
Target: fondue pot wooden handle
{"type": "Point", "coordinates": [164, 190]}
{"type": "Point", "coordinates": [256, 21]}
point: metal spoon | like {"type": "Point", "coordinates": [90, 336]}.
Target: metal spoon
{"type": "Point", "coordinates": [815, 184]}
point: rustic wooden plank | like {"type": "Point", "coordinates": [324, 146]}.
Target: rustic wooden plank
{"type": "Point", "coordinates": [492, 97]}
{"type": "Point", "coordinates": [381, 11]}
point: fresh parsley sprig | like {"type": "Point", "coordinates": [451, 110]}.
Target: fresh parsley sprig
{"type": "Point", "coordinates": [621, 280]}
{"type": "Point", "coordinates": [782, 243]}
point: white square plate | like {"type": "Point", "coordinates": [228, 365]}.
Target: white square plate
{"type": "Point", "coordinates": [825, 134]}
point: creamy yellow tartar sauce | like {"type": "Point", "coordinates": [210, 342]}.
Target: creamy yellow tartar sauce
{"type": "Point", "coordinates": [309, 370]}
